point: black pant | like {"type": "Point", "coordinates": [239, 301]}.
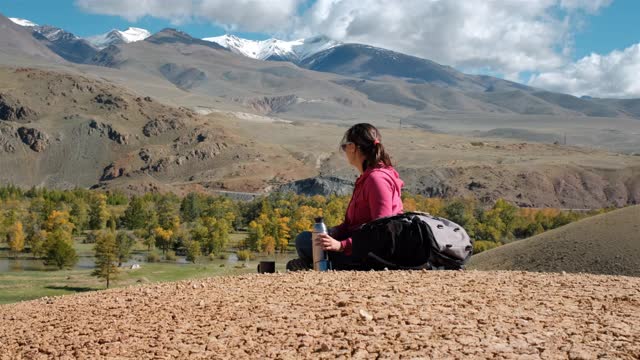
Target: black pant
{"type": "Point", "coordinates": [305, 252]}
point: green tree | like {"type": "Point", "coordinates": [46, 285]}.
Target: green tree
{"type": "Point", "coordinates": [168, 208]}
{"type": "Point", "coordinates": [461, 212]}
{"type": "Point", "coordinates": [36, 242]}
{"type": "Point", "coordinates": [193, 250]}
{"type": "Point", "coordinates": [112, 223]}
{"type": "Point", "coordinates": [99, 214]}
{"type": "Point", "coordinates": [191, 207]}
{"type": "Point", "coordinates": [124, 245]}
{"type": "Point", "coordinates": [136, 215]}
{"type": "Point", "coordinates": [59, 250]}
{"type": "Point", "coordinates": [79, 214]}
{"type": "Point", "coordinates": [106, 252]}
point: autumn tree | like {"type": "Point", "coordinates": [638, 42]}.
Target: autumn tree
{"type": "Point", "coordinates": [163, 238]}
{"type": "Point", "coordinates": [334, 210]}
{"type": "Point", "coordinates": [106, 253]}
{"type": "Point", "coordinates": [256, 235]}
{"type": "Point", "coordinates": [58, 247]}
{"type": "Point", "coordinates": [269, 244]}
{"type": "Point", "coordinates": [15, 237]}
{"type": "Point", "coordinates": [282, 232]}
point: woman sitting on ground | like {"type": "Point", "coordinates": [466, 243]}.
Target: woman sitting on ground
{"type": "Point", "coordinates": [376, 194]}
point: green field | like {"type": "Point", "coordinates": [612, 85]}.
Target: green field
{"type": "Point", "coordinates": [32, 284]}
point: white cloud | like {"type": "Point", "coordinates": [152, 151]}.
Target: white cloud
{"type": "Point", "coordinates": [590, 6]}
{"type": "Point", "coordinates": [247, 15]}
{"type": "Point", "coordinates": [504, 37]}
{"type": "Point", "coordinates": [616, 75]}
{"type": "Point", "coordinates": [501, 36]}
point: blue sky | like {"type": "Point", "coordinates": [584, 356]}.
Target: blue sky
{"type": "Point", "coordinates": [614, 27]}
{"type": "Point", "coordinates": [545, 43]}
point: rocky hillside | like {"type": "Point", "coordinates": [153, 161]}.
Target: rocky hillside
{"type": "Point", "coordinates": [480, 315]}
{"type": "Point", "coordinates": [79, 131]}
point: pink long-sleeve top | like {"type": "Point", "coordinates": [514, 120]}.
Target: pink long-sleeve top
{"type": "Point", "coordinates": [376, 194]}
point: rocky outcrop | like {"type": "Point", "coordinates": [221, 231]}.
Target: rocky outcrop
{"type": "Point", "coordinates": [322, 185]}
{"type": "Point", "coordinates": [272, 104]}
{"type": "Point", "coordinates": [160, 126]}
{"type": "Point", "coordinates": [12, 110]}
{"type": "Point", "coordinates": [106, 130]}
{"type": "Point", "coordinates": [36, 139]}
{"type": "Point", "coordinates": [112, 172]}
{"type": "Point", "coordinates": [110, 101]}
{"type": "Point", "coordinates": [8, 139]}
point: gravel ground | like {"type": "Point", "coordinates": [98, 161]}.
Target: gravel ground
{"type": "Point", "coordinates": [439, 315]}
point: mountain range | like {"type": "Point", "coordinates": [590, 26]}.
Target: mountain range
{"type": "Point", "coordinates": [169, 111]}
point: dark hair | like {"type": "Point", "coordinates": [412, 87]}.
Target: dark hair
{"type": "Point", "coordinates": [369, 140]}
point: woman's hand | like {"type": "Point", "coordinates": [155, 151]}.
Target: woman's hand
{"type": "Point", "coordinates": [328, 243]}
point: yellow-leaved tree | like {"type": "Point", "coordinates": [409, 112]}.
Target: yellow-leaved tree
{"type": "Point", "coordinates": [15, 237]}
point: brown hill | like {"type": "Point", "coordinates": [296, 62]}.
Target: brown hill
{"type": "Point", "coordinates": [605, 244]}
{"type": "Point", "coordinates": [367, 315]}
{"type": "Point", "coordinates": [78, 130]}
{"type": "Point", "coordinates": [17, 41]}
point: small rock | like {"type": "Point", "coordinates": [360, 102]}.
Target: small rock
{"type": "Point", "coordinates": [201, 303]}
{"type": "Point", "coordinates": [365, 315]}
{"type": "Point", "coordinates": [324, 347]}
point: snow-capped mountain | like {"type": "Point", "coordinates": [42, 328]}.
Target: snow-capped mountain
{"type": "Point", "coordinates": [55, 34]}
{"type": "Point", "coordinates": [115, 37]}
{"type": "Point", "coordinates": [274, 49]}
{"type": "Point", "coordinates": [23, 22]}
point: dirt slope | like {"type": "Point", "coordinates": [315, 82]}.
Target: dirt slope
{"type": "Point", "coordinates": [604, 244]}
{"type": "Point", "coordinates": [498, 315]}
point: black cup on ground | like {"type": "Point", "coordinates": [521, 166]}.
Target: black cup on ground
{"type": "Point", "coordinates": [267, 267]}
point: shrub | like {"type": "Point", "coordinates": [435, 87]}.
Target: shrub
{"type": "Point", "coordinates": [90, 238]}
{"type": "Point", "coordinates": [223, 256]}
{"type": "Point", "coordinates": [170, 255]}
{"type": "Point", "coordinates": [153, 257]}
{"type": "Point", "coordinates": [244, 255]}
{"type": "Point", "coordinates": [484, 245]}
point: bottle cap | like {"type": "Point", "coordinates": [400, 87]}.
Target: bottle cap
{"type": "Point", "coordinates": [319, 219]}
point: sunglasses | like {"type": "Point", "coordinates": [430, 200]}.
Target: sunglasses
{"type": "Point", "coordinates": [343, 146]}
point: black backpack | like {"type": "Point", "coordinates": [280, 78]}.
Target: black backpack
{"type": "Point", "coordinates": [411, 240]}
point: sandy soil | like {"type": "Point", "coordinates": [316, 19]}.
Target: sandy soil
{"type": "Point", "coordinates": [439, 315]}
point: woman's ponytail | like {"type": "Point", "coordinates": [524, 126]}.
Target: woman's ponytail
{"type": "Point", "coordinates": [369, 141]}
